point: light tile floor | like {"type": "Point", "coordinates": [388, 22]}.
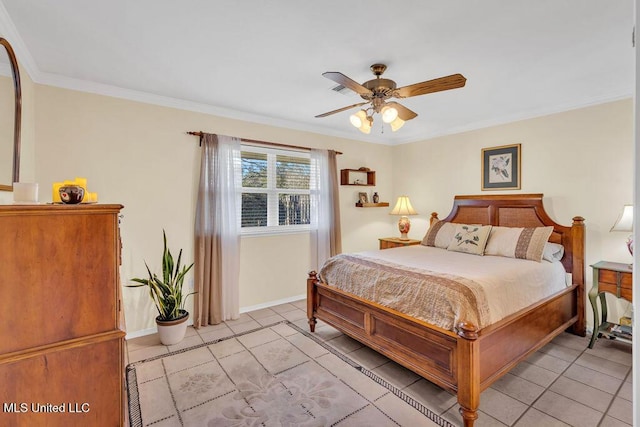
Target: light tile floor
{"type": "Point", "coordinates": [563, 384]}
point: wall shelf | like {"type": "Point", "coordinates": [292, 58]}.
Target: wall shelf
{"type": "Point", "coordinates": [359, 177]}
{"type": "Point", "coordinates": [372, 205]}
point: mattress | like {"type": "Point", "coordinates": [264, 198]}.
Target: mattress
{"type": "Point", "coordinates": [443, 287]}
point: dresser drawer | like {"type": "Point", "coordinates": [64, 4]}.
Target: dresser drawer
{"type": "Point", "coordinates": [616, 282]}
{"type": "Point", "coordinates": [615, 277]}
{"type": "Point", "coordinates": [625, 293]}
{"type": "Point", "coordinates": [393, 242]}
{"type": "Point", "coordinates": [59, 277]}
{"type": "Point", "coordinates": [84, 381]}
{"type": "Point", "coordinates": [385, 244]}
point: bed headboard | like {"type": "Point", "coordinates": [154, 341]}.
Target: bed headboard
{"type": "Point", "coordinates": [522, 210]}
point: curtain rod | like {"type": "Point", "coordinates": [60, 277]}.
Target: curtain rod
{"type": "Point", "coordinates": [255, 141]}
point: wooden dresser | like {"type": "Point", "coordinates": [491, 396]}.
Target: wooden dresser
{"type": "Point", "coordinates": [61, 346]}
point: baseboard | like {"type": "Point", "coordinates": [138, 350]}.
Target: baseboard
{"type": "Point", "coordinates": [140, 333]}
{"type": "Point", "coordinates": [154, 330]}
{"type": "Point", "coordinates": [272, 303]}
{"type": "Point", "coordinates": [150, 331]}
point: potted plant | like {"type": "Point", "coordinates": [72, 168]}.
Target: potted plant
{"type": "Point", "coordinates": [166, 293]}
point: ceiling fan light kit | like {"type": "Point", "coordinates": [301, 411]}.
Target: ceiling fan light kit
{"type": "Point", "coordinates": [361, 121]}
{"type": "Point", "coordinates": [377, 92]}
{"type": "Point", "coordinates": [389, 114]}
{"type": "Point", "coordinates": [358, 118]}
{"type": "Point", "coordinates": [396, 124]}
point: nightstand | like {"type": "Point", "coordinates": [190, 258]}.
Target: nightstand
{"type": "Point", "coordinates": [395, 242]}
{"type": "Point", "coordinates": [615, 278]}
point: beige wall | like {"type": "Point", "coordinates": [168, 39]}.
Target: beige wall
{"type": "Point", "coordinates": [581, 160]}
{"type": "Point", "coordinates": [27, 151]}
{"type": "Point", "coordinates": [7, 108]}
{"type": "Point", "coordinates": [139, 155]}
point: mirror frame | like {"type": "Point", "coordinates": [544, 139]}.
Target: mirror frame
{"type": "Point", "coordinates": [17, 116]}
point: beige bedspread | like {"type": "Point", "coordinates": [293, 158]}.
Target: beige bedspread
{"type": "Point", "coordinates": [443, 287]}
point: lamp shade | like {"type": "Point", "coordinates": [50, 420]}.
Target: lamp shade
{"type": "Point", "coordinates": [625, 223]}
{"type": "Point", "coordinates": [396, 124]}
{"type": "Point", "coordinates": [358, 118]}
{"type": "Point", "coordinates": [389, 114]}
{"type": "Point", "coordinates": [625, 220]}
{"type": "Point", "coordinates": [361, 121]}
{"type": "Point", "coordinates": [403, 207]}
{"type": "Point", "coordinates": [366, 125]}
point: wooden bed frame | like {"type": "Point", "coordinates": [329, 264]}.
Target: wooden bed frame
{"type": "Point", "coordinates": [469, 360]}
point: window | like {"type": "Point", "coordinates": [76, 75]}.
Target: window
{"type": "Point", "coordinates": [275, 190]}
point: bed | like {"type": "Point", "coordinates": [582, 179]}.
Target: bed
{"type": "Point", "coordinates": [466, 359]}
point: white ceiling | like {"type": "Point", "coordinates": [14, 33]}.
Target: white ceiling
{"type": "Point", "coordinates": [263, 60]}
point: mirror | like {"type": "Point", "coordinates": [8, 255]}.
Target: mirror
{"type": "Point", "coordinates": [10, 117]}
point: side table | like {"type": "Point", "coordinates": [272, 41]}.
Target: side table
{"type": "Point", "coordinates": [615, 278]}
{"type": "Point", "coordinates": [396, 242]}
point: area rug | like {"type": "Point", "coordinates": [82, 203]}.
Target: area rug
{"type": "Point", "coordinates": [278, 375]}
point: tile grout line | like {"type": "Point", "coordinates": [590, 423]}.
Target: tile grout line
{"type": "Point", "coordinates": [375, 377]}
{"type": "Point", "coordinates": [548, 388]}
{"type": "Point", "coordinates": [615, 396]}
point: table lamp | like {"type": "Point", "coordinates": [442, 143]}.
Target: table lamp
{"type": "Point", "coordinates": [403, 207]}
{"type": "Point", "coordinates": [625, 223]}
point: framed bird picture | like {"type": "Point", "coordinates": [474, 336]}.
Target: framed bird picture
{"type": "Point", "coordinates": [501, 168]}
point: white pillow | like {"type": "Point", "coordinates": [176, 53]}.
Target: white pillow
{"type": "Point", "coordinates": [470, 239]}
{"type": "Point", "coordinates": [553, 252]}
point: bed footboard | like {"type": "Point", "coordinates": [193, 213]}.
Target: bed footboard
{"type": "Point", "coordinates": [311, 300]}
{"type": "Point", "coordinates": [464, 362]}
{"type": "Point", "coordinates": [429, 351]}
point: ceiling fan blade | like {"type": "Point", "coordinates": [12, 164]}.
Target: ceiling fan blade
{"type": "Point", "coordinates": [347, 82]}
{"type": "Point", "coordinates": [453, 81]}
{"type": "Point", "coordinates": [403, 112]}
{"type": "Point", "coordinates": [341, 109]}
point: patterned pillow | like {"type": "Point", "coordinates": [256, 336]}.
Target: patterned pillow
{"type": "Point", "coordinates": [439, 234]}
{"type": "Point", "coordinates": [470, 239]}
{"type": "Point", "coordinates": [517, 242]}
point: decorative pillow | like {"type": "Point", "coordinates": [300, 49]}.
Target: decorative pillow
{"type": "Point", "coordinates": [470, 239]}
{"type": "Point", "coordinates": [553, 252]}
{"type": "Point", "coordinates": [439, 234]}
{"type": "Point", "coordinates": [518, 242]}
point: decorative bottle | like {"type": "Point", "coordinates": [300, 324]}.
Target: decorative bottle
{"type": "Point", "coordinates": [376, 198]}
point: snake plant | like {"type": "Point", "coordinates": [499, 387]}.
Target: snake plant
{"type": "Point", "coordinates": [166, 291]}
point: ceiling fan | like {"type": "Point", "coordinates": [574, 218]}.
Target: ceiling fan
{"type": "Point", "coordinates": [378, 91]}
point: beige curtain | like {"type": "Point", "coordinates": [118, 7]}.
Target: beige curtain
{"type": "Point", "coordinates": [217, 232]}
{"type": "Point", "coordinates": [335, 234]}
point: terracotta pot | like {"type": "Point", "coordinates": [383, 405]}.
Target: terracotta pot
{"type": "Point", "coordinates": [172, 331]}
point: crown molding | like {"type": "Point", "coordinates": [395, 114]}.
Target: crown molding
{"type": "Point", "coordinates": [8, 31]}
{"type": "Point", "coordinates": [64, 82]}
{"type": "Point", "coordinates": [528, 115]}
{"type": "Point", "coordinates": [28, 64]}
{"type": "Point", "coordinates": [181, 104]}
